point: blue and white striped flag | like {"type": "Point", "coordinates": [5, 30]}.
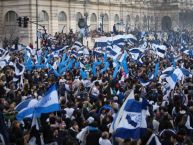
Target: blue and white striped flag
{"type": "Point", "coordinates": [26, 108]}
{"type": "Point", "coordinates": [167, 72]}
{"type": "Point", "coordinates": [173, 78]}
{"type": "Point", "coordinates": [78, 45]}
{"type": "Point", "coordinates": [48, 103]}
{"type": "Point", "coordinates": [160, 50]}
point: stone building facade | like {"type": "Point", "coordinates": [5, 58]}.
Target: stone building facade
{"type": "Point", "coordinates": [58, 15]}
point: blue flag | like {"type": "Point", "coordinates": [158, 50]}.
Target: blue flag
{"type": "Point", "coordinates": [83, 74]}
{"type": "Point", "coordinates": [156, 70]}
{"type": "Point", "coordinates": [49, 103]}
{"type": "Point", "coordinates": [124, 65]}
{"type": "Point", "coordinates": [26, 108]}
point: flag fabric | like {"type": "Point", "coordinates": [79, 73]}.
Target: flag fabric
{"type": "Point", "coordinates": [156, 70]}
{"type": "Point", "coordinates": [140, 57]}
{"type": "Point", "coordinates": [4, 58]}
{"type": "Point", "coordinates": [118, 40]}
{"type": "Point", "coordinates": [167, 72]}
{"type": "Point", "coordinates": [106, 66]}
{"type": "Point", "coordinates": [172, 80]}
{"type": "Point", "coordinates": [116, 70]}
{"type": "Point", "coordinates": [118, 117]}
{"type": "Point", "coordinates": [124, 65]}
{"type": "Point", "coordinates": [159, 50]}
{"type": "Point", "coordinates": [94, 67]}
{"type": "Point", "coordinates": [153, 140]}
{"type": "Point", "coordinates": [19, 69]}
{"type": "Point", "coordinates": [186, 72]}
{"type": "Point", "coordinates": [144, 82]}
{"type": "Point", "coordinates": [78, 45]}
{"type": "Point", "coordinates": [35, 123]}
{"type": "Point", "coordinates": [26, 108]}
{"type": "Point", "coordinates": [187, 124]}
{"type": "Point", "coordinates": [177, 75]}
{"type": "Point", "coordinates": [83, 74]}
{"type": "Point", "coordinates": [166, 91]}
{"type": "Point", "coordinates": [133, 121]}
{"type": "Point", "coordinates": [48, 103]}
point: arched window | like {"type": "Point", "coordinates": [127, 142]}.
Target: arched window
{"type": "Point", "coordinates": [145, 23]}
{"type": "Point", "coordinates": [44, 19]}
{"type": "Point", "coordinates": [44, 16]}
{"type": "Point", "coordinates": [116, 18]}
{"type": "Point", "coordinates": [62, 22]}
{"type": "Point", "coordinates": [93, 17]}
{"type": "Point", "coordinates": [166, 23]}
{"type": "Point", "coordinates": [11, 29]}
{"type": "Point", "coordinates": [106, 18]}
{"type": "Point", "coordinates": [128, 24]}
{"type": "Point", "coordinates": [62, 16]}
{"type": "Point", "coordinates": [93, 21]}
{"type": "Point", "coordinates": [116, 22]}
{"type": "Point", "coordinates": [106, 23]}
{"type": "Point", "coordinates": [11, 18]}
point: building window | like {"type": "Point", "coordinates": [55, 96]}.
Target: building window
{"type": "Point", "coordinates": [116, 19]}
{"type": "Point", "coordinates": [44, 16]}
{"type": "Point", "coordinates": [93, 17]}
{"type": "Point", "coordinates": [93, 21]}
{"type": "Point", "coordinates": [62, 22]}
{"type": "Point", "coordinates": [11, 17]}
{"type": "Point", "coordinates": [62, 17]}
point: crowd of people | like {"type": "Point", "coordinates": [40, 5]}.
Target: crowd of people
{"type": "Point", "coordinates": [91, 101]}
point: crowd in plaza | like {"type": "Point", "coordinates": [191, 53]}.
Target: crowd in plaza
{"type": "Point", "coordinates": [92, 87]}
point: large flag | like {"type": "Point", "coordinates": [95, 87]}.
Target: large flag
{"type": "Point", "coordinates": [116, 121]}
{"type": "Point", "coordinates": [167, 72]}
{"type": "Point", "coordinates": [172, 80]}
{"type": "Point", "coordinates": [159, 50]}
{"type": "Point", "coordinates": [130, 121]}
{"type": "Point", "coordinates": [133, 121]}
{"type": "Point", "coordinates": [48, 103]}
{"type": "Point", "coordinates": [26, 108]}
{"type": "Point", "coordinates": [177, 75]}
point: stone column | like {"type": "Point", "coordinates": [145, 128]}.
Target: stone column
{"type": "Point", "coordinates": [53, 18]}
{"type": "Point", "coordinates": [1, 23]}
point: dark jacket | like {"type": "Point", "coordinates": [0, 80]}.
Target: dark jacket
{"type": "Point", "coordinates": [93, 137]}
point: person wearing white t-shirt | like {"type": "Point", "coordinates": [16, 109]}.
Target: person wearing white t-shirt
{"type": "Point", "coordinates": [95, 90]}
{"type": "Point", "coordinates": [104, 139]}
{"type": "Point", "coordinates": [69, 111]}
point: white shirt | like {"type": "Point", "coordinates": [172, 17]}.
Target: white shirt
{"type": "Point", "coordinates": [95, 91]}
{"type": "Point", "coordinates": [104, 141]}
{"type": "Point", "coordinates": [69, 112]}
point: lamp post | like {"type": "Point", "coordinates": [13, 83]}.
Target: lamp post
{"type": "Point", "coordinates": [102, 18]}
{"type": "Point", "coordinates": [86, 17]}
{"type": "Point", "coordinates": [148, 18]}
{"type": "Point", "coordinates": [37, 24]}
